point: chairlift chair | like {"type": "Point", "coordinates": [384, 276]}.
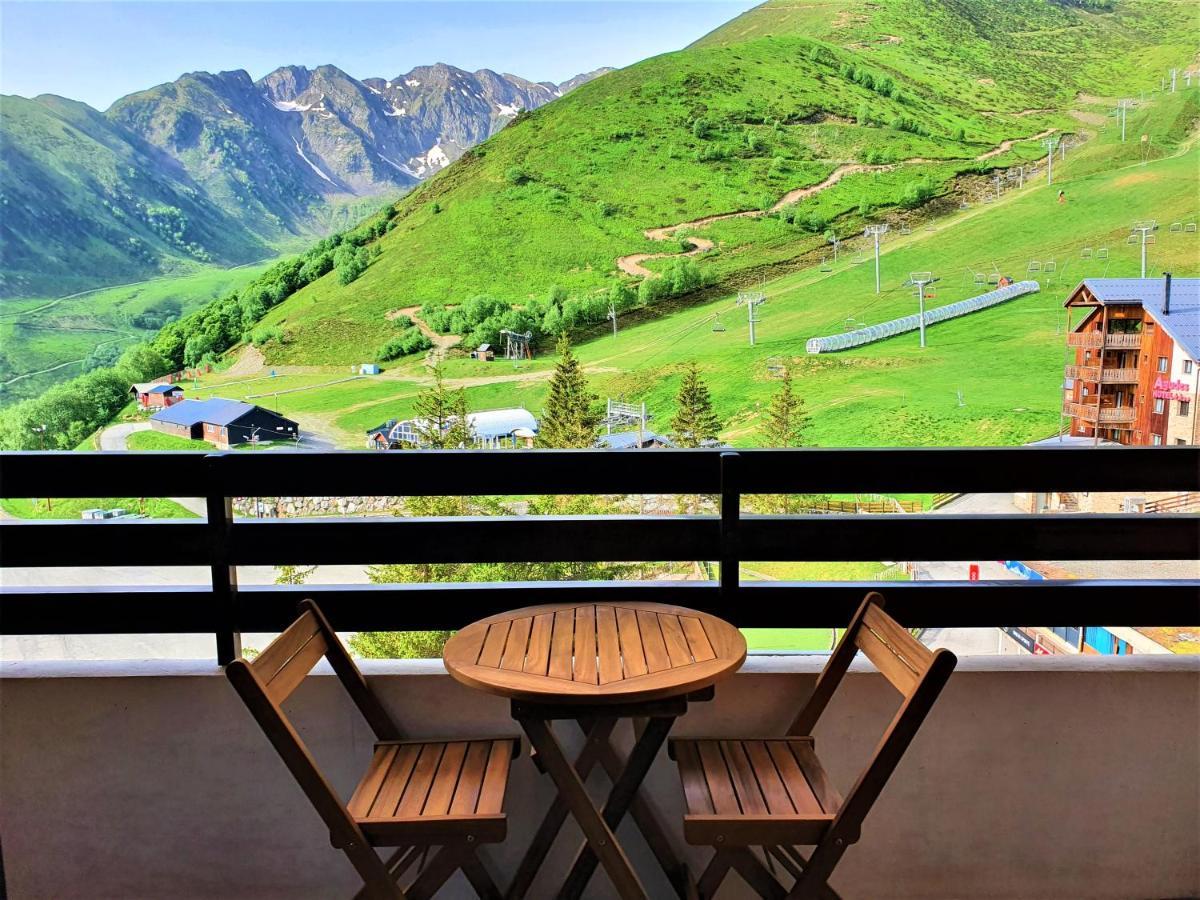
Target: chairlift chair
{"type": "Point", "coordinates": [1176, 227]}
{"type": "Point", "coordinates": [825, 265]}
{"type": "Point", "coordinates": [981, 278]}
{"type": "Point", "coordinates": [1102, 253]}
{"type": "Point", "coordinates": [859, 259]}
{"type": "Point", "coordinates": [904, 229]}
{"type": "Point", "coordinates": [1132, 239]}
{"type": "Point", "coordinates": [1049, 265]}
{"type": "Point", "coordinates": [964, 205]}
{"type": "Point", "coordinates": [1190, 227]}
{"type": "Point", "coordinates": [1151, 239]}
{"type": "Point", "coordinates": [1085, 253]}
{"type": "Point", "coordinates": [718, 326]}
{"type": "Point", "coordinates": [1034, 266]}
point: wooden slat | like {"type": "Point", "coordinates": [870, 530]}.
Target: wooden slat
{"type": "Point", "coordinates": [276, 654]}
{"type": "Point", "coordinates": [749, 796]}
{"type": "Point", "coordinates": [652, 642]}
{"type": "Point", "coordinates": [514, 648]}
{"type": "Point", "coordinates": [585, 645]}
{"type": "Point", "coordinates": [716, 774]}
{"type": "Point", "coordinates": [491, 793]}
{"type": "Point", "coordinates": [368, 789]}
{"type": "Point", "coordinates": [493, 644]}
{"type": "Point", "coordinates": [417, 790]}
{"type": "Point", "coordinates": [894, 668]}
{"type": "Point", "coordinates": [903, 644]}
{"type": "Point", "coordinates": [827, 795]}
{"type": "Point", "coordinates": [697, 638]}
{"type": "Point", "coordinates": [798, 788]}
{"type": "Point", "coordinates": [769, 781]}
{"type": "Point", "coordinates": [633, 656]}
{"type": "Point", "coordinates": [537, 658]}
{"type": "Point", "coordinates": [562, 644]}
{"type": "Point", "coordinates": [394, 782]}
{"type": "Point", "coordinates": [691, 773]}
{"type": "Point", "coordinates": [470, 781]}
{"type": "Point", "coordinates": [677, 645]}
{"type": "Point", "coordinates": [608, 645]}
{"type": "Point", "coordinates": [287, 679]}
{"type": "Point", "coordinates": [445, 780]}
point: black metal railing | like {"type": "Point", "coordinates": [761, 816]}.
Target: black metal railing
{"type": "Point", "coordinates": [222, 543]}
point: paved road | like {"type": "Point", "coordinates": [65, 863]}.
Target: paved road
{"type": "Point", "coordinates": [116, 437]}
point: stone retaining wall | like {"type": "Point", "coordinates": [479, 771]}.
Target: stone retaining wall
{"type": "Point", "coordinates": [286, 507]}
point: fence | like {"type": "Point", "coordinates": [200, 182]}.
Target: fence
{"type": "Point", "coordinates": [221, 542]}
{"type": "Point", "coordinates": [873, 333]}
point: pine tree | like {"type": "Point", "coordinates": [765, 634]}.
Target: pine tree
{"type": "Point", "coordinates": [440, 416]}
{"type": "Point", "coordinates": [784, 427]}
{"type": "Point", "coordinates": [694, 421]}
{"type": "Point", "coordinates": [568, 420]}
{"type": "Point", "coordinates": [785, 417]}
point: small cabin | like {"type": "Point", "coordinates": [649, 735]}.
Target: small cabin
{"type": "Point", "coordinates": [483, 352]}
{"type": "Point", "coordinates": [368, 369]}
{"type": "Point", "coordinates": [153, 395]}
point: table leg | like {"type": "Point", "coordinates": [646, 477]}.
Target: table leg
{"type": "Point", "coordinates": [647, 821]}
{"type": "Point", "coordinates": [600, 839]}
{"type": "Point", "coordinates": [636, 767]}
{"type": "Point", "coordinates": [597, 741]}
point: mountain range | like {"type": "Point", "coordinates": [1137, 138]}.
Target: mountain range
{"type": "Point", "coordinates": [222, 168]}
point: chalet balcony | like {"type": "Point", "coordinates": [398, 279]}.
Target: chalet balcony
{"type": "Point", "coordinates": [1105, 415]}
{"type": "Point", "coordinates": [1106, 375]}
{"type": "Point", "coordinates": [1092, 340]}
{"type": "Point", "coordinates": [148, 778]}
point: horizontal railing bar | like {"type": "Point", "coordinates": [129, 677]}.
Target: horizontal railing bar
{"type": "Point", "coordinates": [469, 472]}
{"type": "Point", "coordinates": [120, 542]}
{"type": "Point", "coordinates": [965, 537]}
{"type": "Point", "coordinates": [474, 539]}
{"type": "Point", "coordinates": [102, 474]}
{"type": "Point", "coordinates": [764, 604]}
{"type": "Point", "coordinates": [486, 539]}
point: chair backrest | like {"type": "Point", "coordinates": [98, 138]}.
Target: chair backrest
{"type": "Point", "coordinates": [915, 671]}
{"type": "Point", "coordinates": [266, 682]}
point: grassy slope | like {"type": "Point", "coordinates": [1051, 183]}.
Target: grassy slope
{"type": "Point", "coordinates": [626, 141]}
{"type": "Point", "coordinates": [153, 507]}
{"type": "Point", "coordinates": [1007, 361]}
{"type": "Point", "coordinates": [40, 333]}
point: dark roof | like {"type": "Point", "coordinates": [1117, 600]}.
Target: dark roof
{"type": "Point", "coordinates": [214, 412]}
{"type": "Point", "coordinates": [627, 440]}
{"type": "Point", "coordinates": [164, 389]}
{"type": "Point", "coordinates": [1182, 323]}
{"type": "Point", "coordinates": [382, 429]}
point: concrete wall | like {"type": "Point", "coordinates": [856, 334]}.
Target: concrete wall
{"type": "Point", "coordinates": [1043, 778]}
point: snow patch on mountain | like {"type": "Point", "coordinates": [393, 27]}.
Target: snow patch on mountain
{"type": "Point", "coordinates": [505, 109]}
{"type": "Point", "coordinates": [397, 111]}
{"type": "Point", "coordinates": [289, 105]}
{"type": "Point", "coordinates": [311, 164]}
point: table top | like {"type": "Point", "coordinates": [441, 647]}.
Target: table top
{"type": "Point", "coordinates": [595, 653]}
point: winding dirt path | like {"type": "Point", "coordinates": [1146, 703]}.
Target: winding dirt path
{"type": "Point", "coordinates": [632, 264]}
{"type": "Point", "coordinates": [441, 342]}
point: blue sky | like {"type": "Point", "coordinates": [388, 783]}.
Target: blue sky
{"type": "Point", "coordinates": [99, 51]}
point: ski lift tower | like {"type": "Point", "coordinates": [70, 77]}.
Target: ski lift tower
{"type": "Point", "coordinates": [612, 315]}
{"type": "Point", "coordinates": [920, 279]}
{"type": "Point", "coordinates": [1050, 144]}
{"type": "Point", "coordinates": [517, 345]}
{"type": "Point", "coordinates": [876, 232]}
{"type": "Point", "coordinates": [1144, 231]}
{"type": "Point", "coordinates": [751, 299]}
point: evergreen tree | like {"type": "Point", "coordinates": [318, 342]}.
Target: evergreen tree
{"type": "Point", "coordinates": [694, 421]}
{"type": "Point", "coordinates": [784, 427]}
{"type": "Point", "coordinates": [568, 420]}
{"type": "Point", "coordinates": [440, 416]}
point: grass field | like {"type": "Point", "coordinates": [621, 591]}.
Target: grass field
{"type": "Point", "coordinates": [70, 508]}
{"type": "Point", "coordinates": [45, 340]}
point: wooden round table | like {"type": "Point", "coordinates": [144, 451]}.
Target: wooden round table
{"type": "Point", "coordinates": [597, 663]}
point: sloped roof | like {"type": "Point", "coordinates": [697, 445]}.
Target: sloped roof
{"type": "Point", "coordinates": [215, 412]}
{"type": "Point", "coordinates": [491, 423]}
{"type": "Point", "coordinates": [155, 387]}
{"type": "Point", "coordinates": [1182, 323]}
{"type": "Point", "coordinates": [628, 440]}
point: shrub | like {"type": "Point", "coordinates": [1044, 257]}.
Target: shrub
{"type": "Point", "coordinates": [702, 128]}
{"type": "Point", "coordinates": [266, 334]}
{"type": "Point", "coordinates": [916, 193]}
{"type": "Point", "coordinates": [411, 341]}
{"type": "Point", "coordinates": [516, 175]}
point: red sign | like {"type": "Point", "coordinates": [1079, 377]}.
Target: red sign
{"type": "Point", "coordinates": [1039, 649]}
{"type": "Point", "coordinates": [1170, 390]}
{"type": "Point", "coordinates": [973, 572]}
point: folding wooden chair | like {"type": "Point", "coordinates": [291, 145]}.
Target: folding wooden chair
{"type": "Point", "coordinates": [773, 793]}
{"type": "Point", "coordinates": [415, 795]}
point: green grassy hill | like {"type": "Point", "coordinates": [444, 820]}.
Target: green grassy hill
{"type": "Point", "coordinates": [990, 378]}
{"type": "Point", "coordinates": [726, 126]}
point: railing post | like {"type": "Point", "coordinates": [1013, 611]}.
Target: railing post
{"type": "Point", "coordinates": [731, 503]}
{"type": "Point", "coordinates": [224, 576]}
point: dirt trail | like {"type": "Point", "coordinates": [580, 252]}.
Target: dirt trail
{"type": "Point", "coordinates": [632, 264]}
{"type": "Point", "coordinates": [441, 342]}
{"type": "Point", "coordinates": [249, 362]}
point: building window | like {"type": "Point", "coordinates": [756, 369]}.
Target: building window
{"type": "Point", "coordinates": [1085, 392]}
{"type": "Point", "coordinates": [1156, 440]}
{"type": "Point", "coordinates": [1159, 405]}
{"type": "Point", "coordinates": [1187, 367]}
{"type": "Point", "coordinates": [1185, 407]}
{"type": "Point", "coordinates": [1162, 364]}
{"type": "Point", "coordinates": [1181, 442]}
{"type": "Point", "coordinates": [1087, 356]}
